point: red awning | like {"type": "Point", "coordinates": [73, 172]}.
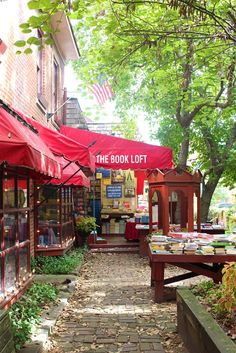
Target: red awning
{"type": "Point", "coordinates": [79, 179]}
{"type": "Point", "coordinates": [119, 153]}
{"type": "Point", "coordinates": [22, 147]}
{"type": "Point", "coordinates": [63, 146]}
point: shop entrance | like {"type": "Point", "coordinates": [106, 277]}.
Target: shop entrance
{"type": "Point", "coordinates": [118, 199]}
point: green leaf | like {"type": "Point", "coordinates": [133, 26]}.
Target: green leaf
{"type": "Point", "coordinates": [33, 40]}
{"type": "Point", "coordinates": [49, 41]}
{"type": "Point", "coordinates": [35, 21]}
{"type": "Point", "coordinates": [26, 31]}
{"type": "Point", "coordinates": [28, 51]}
{"type": "Point", "coordinates": [24, 25]}
{"type": "Point", "coordinates": [20, 43]}
{"type": "Point", "coordinates": [34, 5]}
{"type": "Point", "coordinates": [18, 52]}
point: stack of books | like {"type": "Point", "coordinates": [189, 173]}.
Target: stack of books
{"type": "Point", "coordinates": [190, 248]}
{"type": "Point", "coordinates": [220, 250]}
{"type": "Point", "coordinates": [159, 244]}
{"type": "Point", "coordinates": [158, 238]}
{"type": "Point", "coordinates": [207, 250]}
{"type": "Point", "coordinates": [159, 248]}
{"type": "Point", "coordinates": [230, 250]}
{"type": "Point", "coordinates": [177, 248]}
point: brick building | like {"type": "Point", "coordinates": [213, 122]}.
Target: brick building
{"type": "Point", "coordinates": [32, 85]}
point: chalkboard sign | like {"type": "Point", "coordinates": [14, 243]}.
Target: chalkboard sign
{"type": "Point", "coordinates": [114, 191]}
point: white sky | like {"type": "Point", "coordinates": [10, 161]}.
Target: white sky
{"type": "Point", "coordinates": [71, 83]}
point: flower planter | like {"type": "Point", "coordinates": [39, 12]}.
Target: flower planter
{"type": "Point", "coordinates": [198, 329]}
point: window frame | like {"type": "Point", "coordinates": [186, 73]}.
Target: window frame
{"type": "Point", "coordinates": [6, 293]}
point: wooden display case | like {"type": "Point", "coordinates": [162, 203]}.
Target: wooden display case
{"type": "Point", "coordinates": [54, 222]}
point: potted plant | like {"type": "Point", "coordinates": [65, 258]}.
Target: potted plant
{"type": "Point", "coordinates": [84, 226]}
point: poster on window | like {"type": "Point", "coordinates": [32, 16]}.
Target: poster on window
{"type": "Point", "coordinates": [129, 192]}
{"type": "Point", "coordinates": [129, 188]}
{"type": "Point", "coordinates": [118, 176]}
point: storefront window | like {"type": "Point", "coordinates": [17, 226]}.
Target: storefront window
{"type": "Point", "coordinates": [9, 231]}
{"type": "Point", "coordinates": [23, 263]}
{"type": "Point", "coordinates": [54, 213]}
{"type": "Point", "coordinates": [14, 232]}
{"type": "Point", "coordinates": [9, 192]}
{"type": "Point", "coordinates": [10, 273]}
{"type": "Point", "coordinates": [23, 225]}
{"type": "Point", "coordinates": [23, 198]}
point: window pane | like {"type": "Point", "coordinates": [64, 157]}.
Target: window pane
{"type": "Point", "coordinates": [9, 200]}
{"type": "Point", "coordinates": [23, 226]}
{"type": "Point", "coordinates": [10, 271]}
{"type": "Point", "coordinates": [23, 263]}
{"type": "Point", "coordinates": [48, 235]}
{"type": "Point", "coordinates": [22, 192]}
{"type": "Point", "coordinates": [9, 232]}
{"type": "Point", "coordinates": [50, 208]}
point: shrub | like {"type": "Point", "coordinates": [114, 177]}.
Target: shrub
{"type": "Point", "coordinates": [221, 298]}
{"type": "Point", "coordinates": [228, 300]}
{"type": "Point", "coordinates": [85, 224]}
{"type": "Point", "coordinates": [25, 312]}
{"type": "Point", "coordinates": [58, 264]}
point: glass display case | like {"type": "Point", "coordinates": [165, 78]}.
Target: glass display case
{"type": "Point", "coordinates": [54, 220]}
{"type": "Point", "coordinates": [14, 234]}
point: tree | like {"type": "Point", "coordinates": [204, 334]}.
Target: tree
{"type": "Point", "coordinates": [179, 70]}
{"type": "Point", "coordinates": [219, 16]}
{"type": "Point", "coordinates": [193, 80]}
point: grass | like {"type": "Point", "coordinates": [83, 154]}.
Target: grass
{"type": "Point", "coordinates": [58, 264]}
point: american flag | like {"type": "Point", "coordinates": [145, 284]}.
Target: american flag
{"type": "Point", "coordinates": [102, 90]}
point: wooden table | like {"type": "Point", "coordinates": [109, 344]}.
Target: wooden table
{"type": "Point", "coordinates": [206, 265]}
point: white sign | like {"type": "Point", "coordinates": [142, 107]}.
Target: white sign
{"type": "Point", "coordinates": [122, 158]}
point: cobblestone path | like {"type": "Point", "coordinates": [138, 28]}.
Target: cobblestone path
{"type": "Point", "coordinates": [112, 310]}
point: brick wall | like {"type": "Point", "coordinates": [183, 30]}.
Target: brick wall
{"type": "Point", "coordinates": [18, 73]}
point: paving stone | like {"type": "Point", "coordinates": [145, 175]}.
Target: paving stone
{"type": "Point", "coordinates": [122, 339]}
{"type": "Point", "coordinates": [145, 346]}
{"type": "Point", "coordinates": [105, 340]}
{"type": "Point", "coordinates": [157, 347]}
{"type": "Point", "coordinates": [84, 329]}
{"type": "Point", "coordinates": [134, 338]}
{"type": "Point", "coordinates": [129, 347]}
{"type": "Point", "coordinates": [83, 338]}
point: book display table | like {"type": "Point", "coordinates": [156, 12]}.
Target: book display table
{"type": "Point", "coordinates": [143, 231]}
{"type": "Point", "coordinates": [206, 265]}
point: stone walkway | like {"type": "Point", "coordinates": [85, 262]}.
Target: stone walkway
{"type": "Point", "coordinates": [112, 310]}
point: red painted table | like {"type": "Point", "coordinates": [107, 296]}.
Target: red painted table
{"type": "Point", "coordinates": [131, 232]}
{"type": "Point", "coordinates": [196, 264]}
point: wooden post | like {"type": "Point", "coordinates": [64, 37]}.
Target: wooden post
{"type": "Point", "coordinates": [150, 209]}
{"type": "Point", "coordinates": [190, 210]}
{"type": "Point", "coordinates": [165, 211]}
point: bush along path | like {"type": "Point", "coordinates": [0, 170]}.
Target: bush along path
{"type": "Point", "coordinates": [25, 314]}
{"type": "Point", "coordinates": [36, 312]}
{"type": "Point", "coordinates": [112, 310]}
